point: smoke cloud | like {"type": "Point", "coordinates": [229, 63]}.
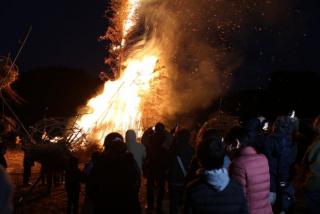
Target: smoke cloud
{"type": "Point", "coordinates": [195, 40]}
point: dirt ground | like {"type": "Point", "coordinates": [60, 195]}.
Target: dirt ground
{"type": "Point", "coordinates": [37, 201]}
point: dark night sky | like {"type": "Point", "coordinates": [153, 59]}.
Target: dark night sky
{"type": "Point", "coordinates": [65, 33]}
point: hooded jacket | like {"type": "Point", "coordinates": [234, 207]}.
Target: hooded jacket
{"type": "Point", "coordinates": [277, 147]}
{"type": "Point", "coordinates": [138, 150]}
{"type": "Point", "coordinates": [214, 192]}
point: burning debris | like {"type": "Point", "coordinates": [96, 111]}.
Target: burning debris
{"type": "Point", "coordinates": [58, 130]}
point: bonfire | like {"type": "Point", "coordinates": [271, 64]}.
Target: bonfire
{"type": "Point", "coordinates": [119, 107]}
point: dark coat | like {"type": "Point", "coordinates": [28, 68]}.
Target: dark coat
{"type": "Point", "coordinates": [279, 150]}
{"type": "Point", "coordinates": [73, 178]}
{"type": "Point", "coordinates": [201, 197]}
{"type": "Point", "coordinates": [175, 174]}
{"type": "Point", "coordinates": [254, 128]}
{"type": "Point", "coordinates": [157, 155]}
{"type": "Point", "coordinates": [271, 149]}
{"type": "Point", "coordinates": [113, 184]}
{"type": "Point", "coordinates": [280, 153]}
{"type": "Point", "coordinates": [287, 158]}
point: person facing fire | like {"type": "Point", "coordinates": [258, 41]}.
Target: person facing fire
{"type": "Point", "coordinates": [72, 184]}
{"type": "Point", "coordinates": [181, 154]}
{"type": "Point", "coordinates": [138, 150]}
{"type": "Point", "coordinates": [250, 169]}
{"type": "Point", "coordinates": [281, 153]}
{"type": "Point", "coordinates": [113, 183]}
{"type": "Point", "coordinates": [156, 166]}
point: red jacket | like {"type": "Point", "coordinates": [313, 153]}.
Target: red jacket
{"type": "Point", "coordinates": [252, 171]}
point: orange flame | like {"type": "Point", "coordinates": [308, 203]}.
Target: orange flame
{"type": "Point", "coordinates": [119, 107]}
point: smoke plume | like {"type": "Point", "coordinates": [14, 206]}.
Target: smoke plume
{"type": "Point", "coordinates": [197, 53]}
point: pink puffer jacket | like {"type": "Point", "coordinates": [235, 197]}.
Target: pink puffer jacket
{"type": "Point", "coordinates": [252, 171]}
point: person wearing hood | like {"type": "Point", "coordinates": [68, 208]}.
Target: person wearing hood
{"type": "Point", "coordinates": [113, 184]}
{"type": "Point", "coordinates": [251, 170]}
{"type": "Point", "coordinates": [214, 191]}
{"type": "Point", "coordinates": [73, 177]}
{"type": "Point", "coordinates": [157, 166]}
{"type": "Point", "coordinates": [138, 150]}
{"type": "Point", "coordinates": [258, 130]}
{"type": "Point", "coordinates": [281, 152]}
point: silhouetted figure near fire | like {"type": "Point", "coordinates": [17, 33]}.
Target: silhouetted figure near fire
{"type": "Point", "coordinates": [88, 203]}
{"type": "Point", "coordinates": [89, 165]}
{"type": "Point", "coordinates": [136, 149]}
{"type": "Point", "coordinates": [113, 183]}
{"type": "Point", "coordinates": [27, 163]}
{"type": "Point", "coordinates": [181, 154]}
{"type": "Point", "coordinates": [72, 184]}
{"type": "Point", "coordinates": [146, 136]}
{"type": "Point", "coordinates": [156, 166]}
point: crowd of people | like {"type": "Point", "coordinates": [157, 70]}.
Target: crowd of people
{"type": "Point", "coordinates": [252, 169]}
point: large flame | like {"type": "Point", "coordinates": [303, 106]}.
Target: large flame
{"type": "Point", "coordinates": [119, 106]}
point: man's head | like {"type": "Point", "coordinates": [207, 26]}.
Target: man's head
{"type": "Point", "coordinates": [111, 137]}
{"type": "Point", "coordinates": [159, 127]}
{"type": "Point", "coordinates": [285, 125]}
{"type": "Point", "coordinates": [238, 137]}
{"type": "Point", "coordinates": [131, 136]}
{"type": "Point", "coordinates": [210, 153]}
{"type": "Point", "coordinates": [114, 143]}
